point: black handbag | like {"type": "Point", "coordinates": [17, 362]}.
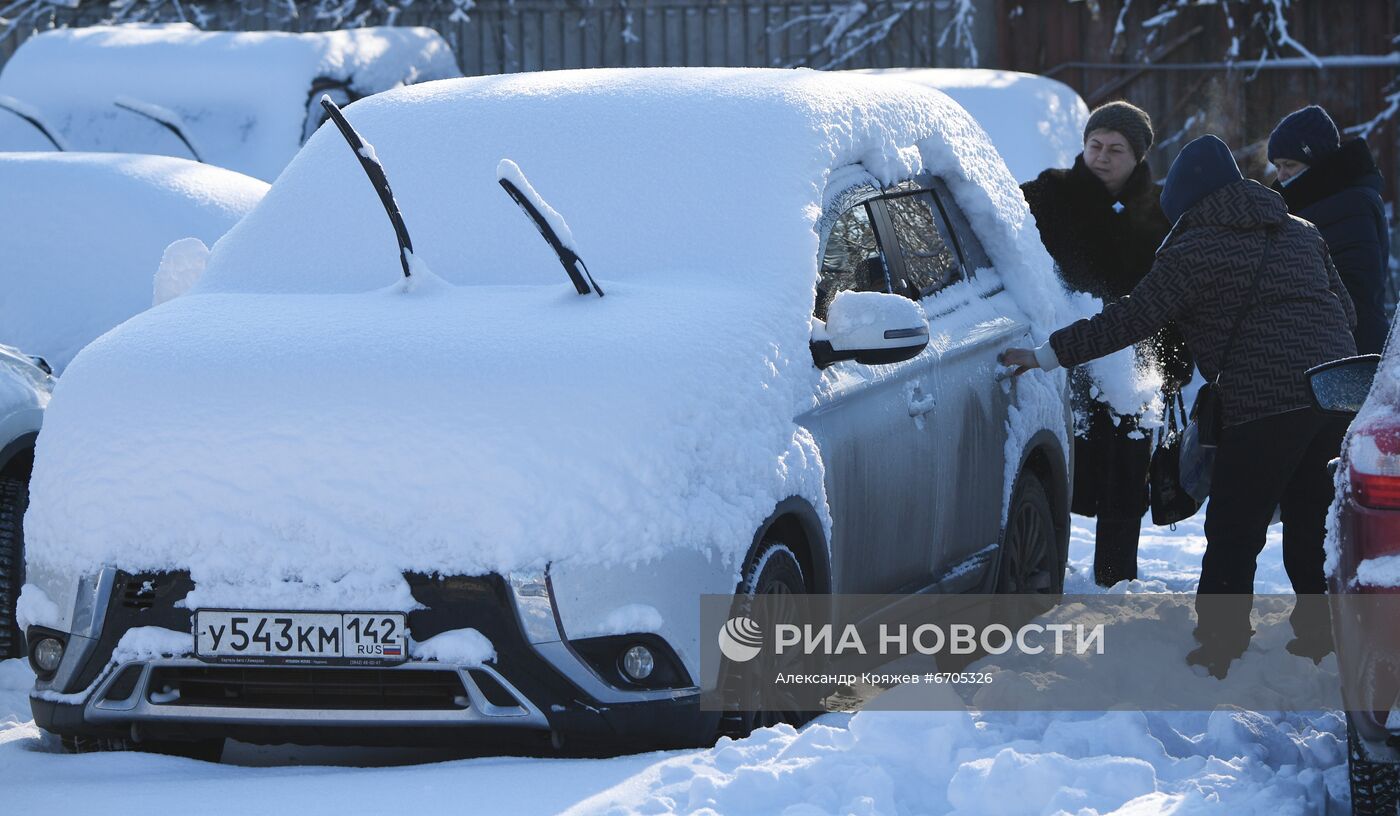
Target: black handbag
{"type": "Point", "coordinates": [1207, 413]}
{"type": "Point", "coordinates": [1170, 500]}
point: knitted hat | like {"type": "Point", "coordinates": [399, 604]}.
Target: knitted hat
{"type": "Point", "coordinates": [1304, 135]}
{"type": "Point", "coordinates": [1129, 120]}
{"type": "Point", "coordinates": [1202, 167]}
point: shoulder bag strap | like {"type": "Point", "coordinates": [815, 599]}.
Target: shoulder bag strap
{"type": "Point", "coordinates": [1248, 305]}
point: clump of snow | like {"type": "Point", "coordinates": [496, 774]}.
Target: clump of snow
{"type": "Point", "coordinates": [624, 620]}
{"type": "Point", "coordinates": [180, 266]}
{"type": "Point", "coordinates": [1382, 571]}
{"type": "Point", "coordinates": [151, 642]}
{"type": "Point", "coordinates": [508, 170]}
{"type": "Point", "coordinates": [859, 320]}
{"type": "Point", "coordinates": [462, 647]}
{"type": "Point", "coordinates": [35, 608]}
{"type": "Point", "coordinates": [85, 232]}
{"type": "Point", "coordinates": [243, 96]}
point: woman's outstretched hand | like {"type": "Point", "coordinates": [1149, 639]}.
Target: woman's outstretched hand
{"type": "Point", "coordinates": [1019, 359]}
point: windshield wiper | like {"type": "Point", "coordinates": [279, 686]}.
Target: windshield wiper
{"type": "Point", "coordinates": [165, 117]}
{"type": "Point", "coordinates": [544, 218]}
{"type": "Point", "coordinates": [31, 116]}
{"type": "Point", "coordinates": [364, 151]}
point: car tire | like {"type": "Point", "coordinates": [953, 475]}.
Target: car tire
{"type": "Point", "coordinates": [1030, 561]}
{"type": "Point", "coordinates": [1375, 786]}
{"type": "Point", "coordinates": [14, 499]}
{"type": "Point", "coordinates": [774, 571]}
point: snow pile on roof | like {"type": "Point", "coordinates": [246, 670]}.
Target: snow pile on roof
{"type": "Point", "coordinates": [245, 96]}
{"type": "Point", "coordinates": [1034, 122]}
{"type": "Point", "coordinates": [84, 235]}
{"type": "Point", "coordinates": [298, 395]}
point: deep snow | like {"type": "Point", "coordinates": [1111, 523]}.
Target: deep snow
{"type": "Point", "coordinates": [872, 762]}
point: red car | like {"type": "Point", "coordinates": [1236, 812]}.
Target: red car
{"type": "Point", "coordinates": [1363, 567]}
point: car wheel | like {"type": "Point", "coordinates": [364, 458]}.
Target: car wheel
{"type": "Point", "coordinates": [1030, 554]}
{"type": "Point", "coordinates": [775, 574]}
{"type": "Point", "coordinates": [1375, 786]}
{"type": "Point", "coordinates": [14, 498]}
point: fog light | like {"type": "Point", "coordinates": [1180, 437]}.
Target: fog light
{"type": "Point", "coordinates": [638, 663]}
{"type": "Point", "coordinates": [48, 653]}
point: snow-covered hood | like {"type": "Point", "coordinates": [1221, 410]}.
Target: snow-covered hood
{"type": "Point", "coordinates": [253, 438]}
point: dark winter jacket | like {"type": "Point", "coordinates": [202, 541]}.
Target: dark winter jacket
{"type": "Point", "coordinates": [1299, 315]}
{"type": "Point", "coordinates": [1102, 249]}
{"type": "Point", "coordinates": [1341, 194]}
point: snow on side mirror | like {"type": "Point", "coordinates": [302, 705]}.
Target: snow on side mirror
{"type": "Point", "coordinates": [872, 328]}
{"type": "Point", "coordinates": [1341, 386]}
{"type": "Point", "coordinates": [181, 265]}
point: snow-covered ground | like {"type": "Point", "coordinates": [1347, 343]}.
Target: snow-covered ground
{"type": "Point", "coordinates": [872, 762]}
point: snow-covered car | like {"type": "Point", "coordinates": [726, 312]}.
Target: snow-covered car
{"type": "Point", "coordinates": [85, 235]}
{"type": "Point", "coordinates": [1363, 568]}
{"type": "Point", "coordinates": [1035, 122]}
{"type": "Point", "coordinates": [242, 100]}
{"type": "Point", "coordinates": [379, 479]}
{"type": "Point", "coordinates": [26, 384]}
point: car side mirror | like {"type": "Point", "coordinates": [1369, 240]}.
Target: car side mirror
{"type": "Point", "coordinates": [872, 328]}
{"type": "Point", "coordinates": [1341, 386]}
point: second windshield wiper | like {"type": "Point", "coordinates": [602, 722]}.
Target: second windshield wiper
{"type": "Point", "coordinates": [550, 224]}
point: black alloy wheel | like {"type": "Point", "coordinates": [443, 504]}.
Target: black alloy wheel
{"type": "Point", "coordinates": [774, 574]}
{"type": "Point", "coordinates": [1030, 560]}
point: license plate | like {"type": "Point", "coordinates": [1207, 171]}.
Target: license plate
{"type": "Point", "coordinates": [300, 638]}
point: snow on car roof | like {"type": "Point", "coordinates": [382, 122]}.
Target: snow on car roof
{"type": "Point", "coordinates": [84, 233]}
{"type": "Point", "coordinates": [243, 95]}
{"type": "Point", "coordinates": [1034, 121]}
{"type": "Point", "coordinates": [321, 418]}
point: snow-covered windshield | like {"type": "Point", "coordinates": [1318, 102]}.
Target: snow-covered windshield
{"type": "Point", "coordinates": [697, 177]}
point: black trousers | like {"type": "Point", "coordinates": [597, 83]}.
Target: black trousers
{"type": "Point", "coordinates": [1110, 482]}
{"type": "Point", "coordinates": [1280, 462]}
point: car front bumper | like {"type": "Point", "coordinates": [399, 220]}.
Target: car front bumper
{"type": "Point", "coordinates": [538, 691]}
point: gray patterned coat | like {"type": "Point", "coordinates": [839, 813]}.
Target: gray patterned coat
{"type": "Point", "coordinates": [1300, 315]}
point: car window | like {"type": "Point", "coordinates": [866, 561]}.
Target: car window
{"type": "Point", "coordinates": [852, 259]}
{"type": "Point", "coordinates": [973, 255]}
{"type": "Point", "coordinates": [929, 261]}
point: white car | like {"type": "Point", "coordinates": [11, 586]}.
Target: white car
{"type": "Point", "coordinates": [384, 479]}
{"type": "Point", "coordinates": [242, 100]}
{"type": "Point", "coordinates": [1035, 122]}
{"type": "Point", "coordinates": [85, 234]}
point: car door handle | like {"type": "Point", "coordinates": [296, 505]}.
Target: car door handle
{"type": "Point", "coordinates": [919, 404]}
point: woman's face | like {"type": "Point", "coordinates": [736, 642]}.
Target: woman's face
{"type": "Point", "coordinates": [1288, 168]}
{"type": "Point", "coordinates": [1109, 157]}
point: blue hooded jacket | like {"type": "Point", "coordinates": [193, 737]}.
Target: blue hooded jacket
{"type": "Point", "coordinates": [1202, 167]}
